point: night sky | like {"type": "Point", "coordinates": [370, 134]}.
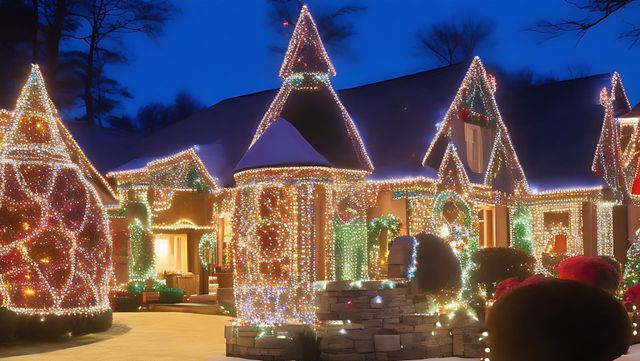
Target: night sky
{"type": "Point", "coordinates": [218, 49]}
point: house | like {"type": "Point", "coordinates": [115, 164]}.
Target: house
{"type": "Point", "coordinates": [288, 179]}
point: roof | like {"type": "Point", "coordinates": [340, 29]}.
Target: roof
{"type": "Point", "coordinates": [281, 145]}
{"type": "Point", "coordinates": [554, 127]}
{"type": "Point", "coordinates": [634, 113]}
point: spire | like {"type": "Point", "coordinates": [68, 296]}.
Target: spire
{"type": "Point", "coordinates": [607, 161]}
{"type": "Point", "coordinates": [33, 132]}
{"type": "Point", "coordinates": [475, 105]}
{"type": "Point", "coordinates": [306, 53]}
{"type": "Point", "coordinates": [619, 98]}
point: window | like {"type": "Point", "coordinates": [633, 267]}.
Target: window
{"type": "Point", "coordinates": [473, 141]}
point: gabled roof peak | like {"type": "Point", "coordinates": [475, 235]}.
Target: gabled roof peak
{"type": "Point", "coordinates": [306, 53]}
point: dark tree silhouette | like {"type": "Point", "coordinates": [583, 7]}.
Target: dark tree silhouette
{"type": "Point", "coordinates": [594, 12]}
{"type": "Point", "coordinates": [16, 36]}
{"type": "Point", "coordinates": [456, 40]}
{"type": "Point", "coordinates": [157, 115]}
{"type": "Point", "coordinates": [333, 24]}
{"type": "Point", "coordinates": [103, 23]}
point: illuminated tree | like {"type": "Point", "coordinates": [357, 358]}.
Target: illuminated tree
{"type": "Point", "coordinates": [55, 245]}
{"type": "Point", "coordinates": [632, 268]}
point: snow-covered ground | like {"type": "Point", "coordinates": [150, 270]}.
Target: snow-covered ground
{"type": "Point", "coordinates": [153, 336]}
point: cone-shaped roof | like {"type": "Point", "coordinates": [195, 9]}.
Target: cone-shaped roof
{"type": "Point", "coordinates": [607, 161]}
{"type": "Point", "coordinates": [306, 53]}
{"type": "Point", "coordinates": [307, 100]}
{"type": "Point", "coordinates": [33, 133]}
{"type": "Point", "coordinates": [36, 133]}
{"type": "Point", "coordinates": [281, 146]}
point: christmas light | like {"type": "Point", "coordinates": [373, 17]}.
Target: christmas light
{"type": "Point", "coordinates": [208, 250]}
{"type": "Point", "coordinates": [55, 248]}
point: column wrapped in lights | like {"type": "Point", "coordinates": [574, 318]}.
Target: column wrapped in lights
{"type": "Point", "coordinates": [55, 245]}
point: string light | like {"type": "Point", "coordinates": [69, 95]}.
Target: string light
{"type": "Point", "coordinates": [208, 250]}
{"type": "Point", "coordinates": [55, 254]}
{"type": "Point", "coordinates": [307, 66]}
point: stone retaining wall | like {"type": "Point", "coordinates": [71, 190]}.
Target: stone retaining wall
{"type": "Point", "coordinates": [358, 321]}
{"type": "Point", "coordinates": [369, 321]}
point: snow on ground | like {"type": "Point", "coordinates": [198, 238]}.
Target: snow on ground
{"type": "Point", "coordinates": [153, 336]}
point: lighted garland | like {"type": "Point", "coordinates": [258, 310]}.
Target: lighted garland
{"type": "Point", "coordinates": [522, 229]}
{"type": "Point", "coordinates": [208, 250]}
{"type": "Point", "coordinates": [462, 235]}
{"type": "Point", "coordinates": [142, 259]}
{"type": "Point", "coordinates": [55, 244]}
{"type": "Point", "coordinates": [388, 222]}
{"type": "Point", "coordinates": [350, 247]}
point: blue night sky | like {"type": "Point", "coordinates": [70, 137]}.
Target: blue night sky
{"type": "Point", "coordinates": [218, 49]}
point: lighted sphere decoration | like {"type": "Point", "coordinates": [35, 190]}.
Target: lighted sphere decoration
{"type": "Point", "coordinates": [55, 246]}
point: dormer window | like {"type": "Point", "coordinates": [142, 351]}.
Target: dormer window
{"type": "Point", "coordinates": [473, 141]}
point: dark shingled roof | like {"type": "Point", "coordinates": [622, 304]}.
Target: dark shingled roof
{"type": "Point", "coordinates": [554, 127]}
{"type": "Point", "coordinates": [634, 113]}
{"type": "Point", "coordinates": [281, 145]}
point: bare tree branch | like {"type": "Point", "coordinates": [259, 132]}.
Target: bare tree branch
{"type": "Point", "coordinates": [455, 41]}
{"type": "Point", "coordinates": [594, 13]}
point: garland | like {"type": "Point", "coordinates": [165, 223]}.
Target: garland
{"type": "Point", "coordinates": [208, 250]}
{"type": "Point", "coordinates": [523, 229]}
{"type": "Point", "coordinates": [463, 237]}
{"type": "Point", "coordinates": [142, 263]}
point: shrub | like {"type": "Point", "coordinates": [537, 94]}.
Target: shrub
{"type": "Point", "coordinates": [550, 262]}
{"type": "Point", "coordinates": [52, 327]}
{"type": "Point", "coordinates": [171, 295]}
{"type": "Point", "coordinates": [558, 320]}
{"type": "Point", "coordinates": [126, 302]}
{"type": "Point", "coordinates": [616, 265]}
{"type": "Point", "coordinates": [493, 265]}
{"type": "Point", "coordinates": [513, 282]}
{"type": "Point", "coordinates": [438, 268]}
{"type": "Point", "coordinates": [594, 271]}
{"type": "Point", "coordinates": [8, 324]}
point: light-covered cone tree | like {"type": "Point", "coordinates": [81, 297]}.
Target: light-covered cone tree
{"type": "Point", "coordinates": [55, 245]}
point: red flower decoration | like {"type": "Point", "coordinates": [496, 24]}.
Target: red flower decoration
{"type": "Point", "coordinates": [632, 296]}
{"type": "Point", "coordinates": [510, 284]}
{"type": "Point", "coordinates": [464, 113]}
{"type": "Point", "coordinates": [593, 271]}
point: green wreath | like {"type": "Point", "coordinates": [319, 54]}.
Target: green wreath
{"type": "Point", "coordinates": [208, 250]}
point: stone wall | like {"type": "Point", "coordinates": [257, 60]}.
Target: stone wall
{"type": "Point", "coordinates": [370, 321]}
{"type": "Point", "coordinates": [358, 321]}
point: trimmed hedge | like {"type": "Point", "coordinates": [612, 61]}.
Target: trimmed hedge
{"type": "Point", "coordinates": [171, 295]}
{"type": "Point", "coordinates": [438, 268]}
{"type": "Point", "coordinates": [493, 265]}
{"type": "Point", "coordinates": [8, 324]}
{"type": "Point", "coordinates": [52, 327]}
{"type": "Point", "coordinates": [558, 320]}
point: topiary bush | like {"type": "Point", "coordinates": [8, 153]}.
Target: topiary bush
{"type": "Point", "coordinates": [52, 327]}
{"type": "Point", "coordinates": [8, 324]}
{"type": "Point", "coordinates": [438, 268]}
{"type": "Point", "coordinates": [558, 320]}
{"type": "Point", "coordinates": [493, 265]}
{"type": "Point", "coordinates": [171, 295]}
{"type": "Point", "coordinates": [594, 271]}
{"type": "Point", "coordinates": [513, 282]}
{"type": "Point", "coordinates": [550, 261]}
{"type": "Point", "coordinates": [616, 265]}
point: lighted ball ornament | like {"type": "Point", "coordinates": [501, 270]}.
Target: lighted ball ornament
{"type": "Point", "coordinates": [55, 245]}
